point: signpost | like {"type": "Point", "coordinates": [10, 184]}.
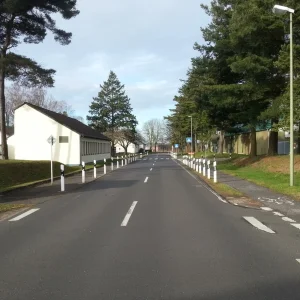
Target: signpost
{"type": "Point", "coordinates": [51, 140]}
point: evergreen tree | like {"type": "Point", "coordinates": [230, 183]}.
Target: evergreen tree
{"type": "Point", "coordinates": [28, 21]}
{"type": "Point", "coordinates": [111, 111]}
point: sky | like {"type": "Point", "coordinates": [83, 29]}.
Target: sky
{"type": "Point", "coordinates": [147, 43]}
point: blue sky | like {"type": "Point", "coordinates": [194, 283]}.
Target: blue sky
{"type": "Point", "coordinates": [147, 43]}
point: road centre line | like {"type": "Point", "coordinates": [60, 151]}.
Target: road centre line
{"type": "Point", "coordinates": [278, 214]}
{"type": "Point", "coordinates": [25, 214]}
{"type": "Point", "coordinates": [253, 221]}
{"type": "Point", "coordinates": [146, 179]}
{"type": "Point", "coordinates": [151, 169]}
{"type": "Point", "coordinates": [129, 213]}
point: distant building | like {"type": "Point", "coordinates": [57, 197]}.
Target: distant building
{"type": "Point", "coordinates": [75, 141]}
{"type": "Point", "coordinates": [132, 148]}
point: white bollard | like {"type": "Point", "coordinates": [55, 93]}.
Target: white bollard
{"type": "Point", "coordinates": [104, 166]}
{"type": "Point", "coordinates": [83, 172]}
{"type": "Point", "coordinates": [204, 167]}
{"type": "Point", "coordinates": [112, 163]}
{"type": "Point", "coordinates": [122, 162]}
{"type": "Point", "coordinates": [215, 172]}
{"type": "Point", "coordinates": [126, 160]}
{"type": "Point", "coordinates": [62, 178]}
{"type": "Point", "coordinates": [200, 166]}
{"type": "Point", "coordinates": [95, 169]}
{"type": "Point", "coordinates": [117, 162]}
{"type": "Point", "coordinates": [195, 164]}
{"type": "Point", "coordinates": [208, 169]}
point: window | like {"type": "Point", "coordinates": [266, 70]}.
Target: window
{"type": "Point", "coordinates": [63, 139]}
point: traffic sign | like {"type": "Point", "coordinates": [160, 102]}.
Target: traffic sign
{"type": "Point", "coordinates": [51, 140]}
{"type": "Point", "coordinates": [188, 139]}
{"type": "Point", "coordinates": [176, 145]}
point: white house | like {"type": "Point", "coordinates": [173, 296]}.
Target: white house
{"type": "Point", "coordinates": [75, 141]}
{"type": "Point", "coordinates": [132, 148]}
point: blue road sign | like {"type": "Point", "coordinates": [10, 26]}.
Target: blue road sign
{"type": "Point", "coordinates": [176, 145]}
{"type": "Point", "coordinates": [188, 139]}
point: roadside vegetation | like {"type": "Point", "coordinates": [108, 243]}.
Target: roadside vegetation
{"type": "Point", "coordinates": [268, 171]}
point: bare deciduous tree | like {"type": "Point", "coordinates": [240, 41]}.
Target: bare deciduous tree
{"type": "Point", "coordinates": [155, 132]}
{"type": "Point", "coordinates": [17, 94]}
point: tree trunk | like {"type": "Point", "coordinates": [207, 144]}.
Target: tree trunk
{"type": "Point", "coordinates": [2, 116]}
{"type": "Point", "coordinates": [253, 151]}
{"type": "Point", "coordinates": [221, 143]}
{"type": "Point", "coordinates": [273, 143]}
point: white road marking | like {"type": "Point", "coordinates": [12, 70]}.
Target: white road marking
{"type": "Point", "coordinates": [278, 214]}
{"type": "Point", "coordinates": [296, 225]}
{"type": "Point", "coordinates": [25, 214]}
{"type": "Point", "coordinates": [266, 208]}
{"type": "Point", "coordinates": [151, 169]}
{"type": "Point", "coordinates": [161, 158]}
{"type": "Point", "coordinates": [298, 260]}
{"type": "Point", "coordinates": [153, 164]}
{"type": "Point", "coordinates": [258, 224]}
{"type": "Point", "coordinates": [288, 220]}
{"type": "Point", "coordinates": [129, 213]}
{"type": "Point", "coordinates": [168, 158]}
{"type": "Point", "coordinates": [205, 186]}
{"type": "Point", "coordinates": [146, 179]}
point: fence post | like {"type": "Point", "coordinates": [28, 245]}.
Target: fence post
{"type": "Point", "coordinates": [62, 178]}
{"type": "Point", "coordinates": [112, 163]}
{"type": "Point", "coordinates": [208, 169]}
{"type": "Point", "coordinates": [104, 166]}
{"type": "Point", "coordinates": [95, 169]}
{"type": "Point", "coordinates": [215, 172]}
{"type": "Point", "coordinates": [204, 167]}
{"type": "Point", "coordinates": [117, 162]}
{"type": "Point", "coordinates": [83, 172]}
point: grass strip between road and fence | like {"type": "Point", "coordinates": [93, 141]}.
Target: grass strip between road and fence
{"type": "Point", "coordinates": [22, 173]}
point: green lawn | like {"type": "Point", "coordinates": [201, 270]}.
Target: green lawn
{"type": "Point", "coordinates": [19, 173]}
{"type": "Point", "coordinates": [4, 207]}
{"type": "Point", "coordinates": [217, 155]}
{"type": "Point", "coordinates": [275, 181]}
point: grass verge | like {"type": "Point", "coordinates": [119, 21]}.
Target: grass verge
{"type": "Point", "coordinates": [222, 189]}
{"type": "Point", "coordinates": [259, 170]}
{"type": "Point", "coordinates": [17, 173]}
{"type": "Point", "coordinates": [4, 207]}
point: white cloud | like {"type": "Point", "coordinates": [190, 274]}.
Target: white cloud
{"type": "Point", "coordinates": [148, 44]}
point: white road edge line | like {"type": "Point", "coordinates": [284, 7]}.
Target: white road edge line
{"type": "Point", "coordinates": [212, 191]}
{"type": "Point", "coordinates": [266, 208]}
{"type": "Point", "coordinates": [253, 221]}
{"type": "Point", "coordinates": [298, 260]}
{"type": "Point", "coordinates": [278, 214]}
{"type": "Point", "coordinates": [146, 179]}
{"type": "Point", "coordinates": [288, 220]}
{"type": "Point", "coordinates": [25, 214]}
{"type": "Point", "coordinates": [296, 225]}
{"type": "Point", "coordinates": [129, 213]}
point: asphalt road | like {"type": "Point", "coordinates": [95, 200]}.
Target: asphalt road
{"type": "Point", "coordinates": [140, 234]}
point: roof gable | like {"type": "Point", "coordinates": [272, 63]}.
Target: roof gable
{"type": "Point", "coordinates": [69, 122]}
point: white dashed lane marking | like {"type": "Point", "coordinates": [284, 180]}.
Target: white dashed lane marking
{"type": "Point", "coordinates": [253, 221]}
{"type": "Point", "coordinates": [25, 214]}
{"type": "Point", "coordinates": [146, 179]}
{"type": "Point", "coordinates": [129, 213]}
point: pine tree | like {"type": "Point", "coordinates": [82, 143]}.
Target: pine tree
{"type": "Point", "coordinates": [28, 21]}
{"type": "Point", "coordinates": [111, 111]}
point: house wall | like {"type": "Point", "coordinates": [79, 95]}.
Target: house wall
{"type": "Point", "coordinates": [132, 148]}
{"type": "Point", "coordinates": [32, 129]}
{"type": "Point", "coordinates": [92, 149]}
